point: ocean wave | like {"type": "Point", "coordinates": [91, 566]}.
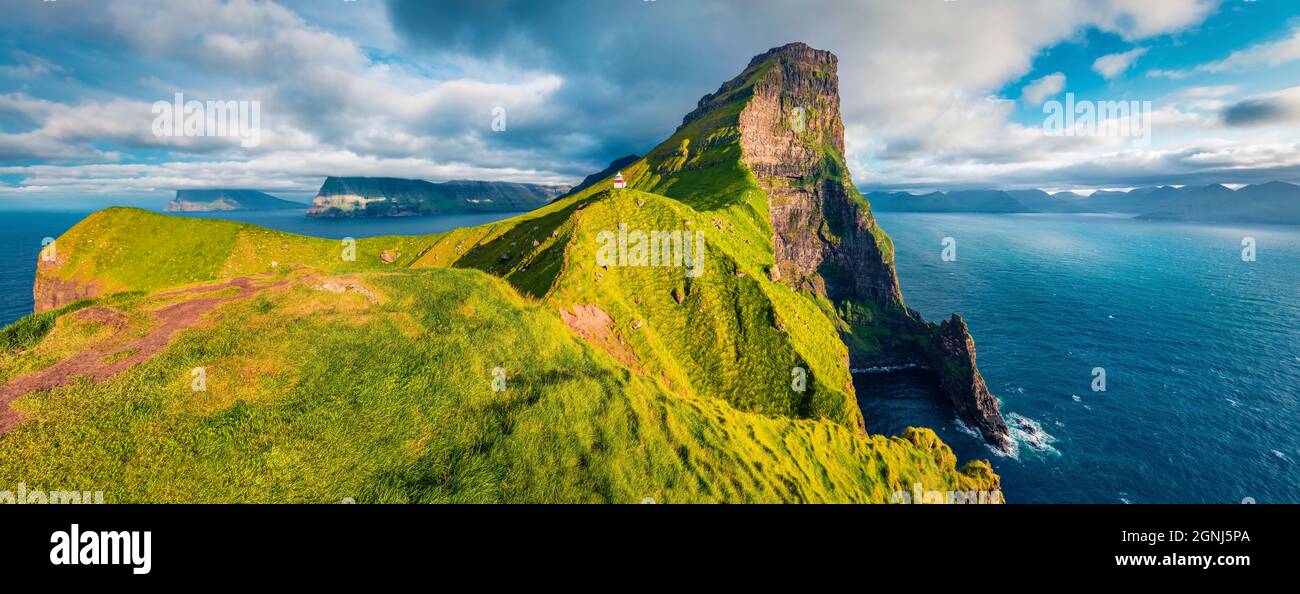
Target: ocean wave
{"type": "Point", "coordinates": [1030, 432]}
{"type": "Point", "coordinates": [1012, 452]}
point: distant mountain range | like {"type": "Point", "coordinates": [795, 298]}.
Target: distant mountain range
{"type": "Point", "coordinates": [348, 197]}
{"type": "Point", "coordinates": [224, 199]}
{"type": "Point", "coordinates": [1274, 202]}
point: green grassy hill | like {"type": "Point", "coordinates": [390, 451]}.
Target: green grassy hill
{"type": "Point", "coordinates": [317, 396]}
{"type": "Point", "coordinates": [373, 378]}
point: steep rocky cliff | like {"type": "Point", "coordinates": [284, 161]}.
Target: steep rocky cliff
{"type": "Point", "coordinates": [952, 356]}
{"type": "Point", "coordinates": [825, 238]}
{"type": "Point", "coordinates": [53, 290]}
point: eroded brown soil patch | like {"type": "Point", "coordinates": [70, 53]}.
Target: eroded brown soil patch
{"type": "Point", "coordinates": [111, 357]}
{"type": "Point", "coordinates": [595, 326]}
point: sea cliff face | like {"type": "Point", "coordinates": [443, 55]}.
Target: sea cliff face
{"type": "Point", "coordinates": [826, 240]}
{"type": "Point", "coordinates": [52, 290]}
{"type": "Point", "coordinates": [952, 356]}
{"type": "Point", "coordinates": [353, 197]}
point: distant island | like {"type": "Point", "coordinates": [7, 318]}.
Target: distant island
{"type": "Point", "coordinates": [1274, 202]}
{"type": "Point", "coordinates": [215, 200]}
{"type": "Point", "coordinates": [360, 197]}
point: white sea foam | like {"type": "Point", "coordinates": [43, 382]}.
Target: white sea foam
{"type": "Point", "coordinates": [1013, 452]}
{"type": "Point", "coordinates": [964, 428]}
{"type": "Point", "coordinates": [1031, 433]}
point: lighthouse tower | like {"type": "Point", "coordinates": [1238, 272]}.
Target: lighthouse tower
{"type": "Point", "coordinates": [619, 182]}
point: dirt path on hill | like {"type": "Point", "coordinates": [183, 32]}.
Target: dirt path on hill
{"type": "Point", "coordinates": [91, 362]}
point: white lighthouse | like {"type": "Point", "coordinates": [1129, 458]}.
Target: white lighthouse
{"type": "Point", "coordinates": [619, 182]}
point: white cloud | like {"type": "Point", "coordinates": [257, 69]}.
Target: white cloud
{"type": "Point", "coordinates": [318, 91]}
{"type": "Point", "coordinates": [1272, 53]}
{"type": "Point", "coordinates": [29, 66]}
{"type": "Point", "coordinates": [919, 84]}
{"type": "Point", "coordinates": [1169, 74]}
{"type": "Point", "coordinates": [1137, 19]}
{"type": "Point", "coordinates": [1265, 54]}
{"type": "Point", "coordinates": [290, 171]}
{"type": "Point", "coordinates": [1113, 65]}
{"type": "Point", "coordinates": [1209, 91]}
{"type": "Point", "coordinates": [1035, 92]}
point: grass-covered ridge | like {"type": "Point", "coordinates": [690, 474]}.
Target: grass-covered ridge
{"type": "Point", "coordinates": [310, 391]}
{"type": "Point", "coordinates": [316, 396]}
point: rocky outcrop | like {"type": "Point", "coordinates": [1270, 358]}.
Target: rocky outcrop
{"type": "Point", "coordinates": [952, 356]}
{"type": "Point", "coordinates": [826, 241]}
{"type": "Point", "coordinates": [52, 291]}
{"type": "Point", "coordinates": [825, 238]}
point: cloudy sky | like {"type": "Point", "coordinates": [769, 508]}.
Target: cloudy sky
{"type": "Point", "coordinates": [936, 94]}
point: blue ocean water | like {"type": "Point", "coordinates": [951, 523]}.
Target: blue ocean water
{"type": "Point", "coordinates": [1201, 352]}
{"type": "Point", "coordinates": [21, 234]}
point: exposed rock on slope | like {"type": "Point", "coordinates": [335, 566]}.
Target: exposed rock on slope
{"type": "Point", "coordinates": [825, 240]}
{"type": "Point", "coordinates": [952, 356]}
{"type": "Point", "coordinates": [53, 290]}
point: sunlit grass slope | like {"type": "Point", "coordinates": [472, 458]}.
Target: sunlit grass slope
{"type": "Point", "coordinates": [319, 396]}
{"type": "Point", "coordinates": [128, 249]}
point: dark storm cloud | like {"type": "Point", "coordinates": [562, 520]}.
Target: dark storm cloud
{"type": "Point", "coordinates": [1263, 111]}
{"type": "Point", "coordinates": [631, 69]}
